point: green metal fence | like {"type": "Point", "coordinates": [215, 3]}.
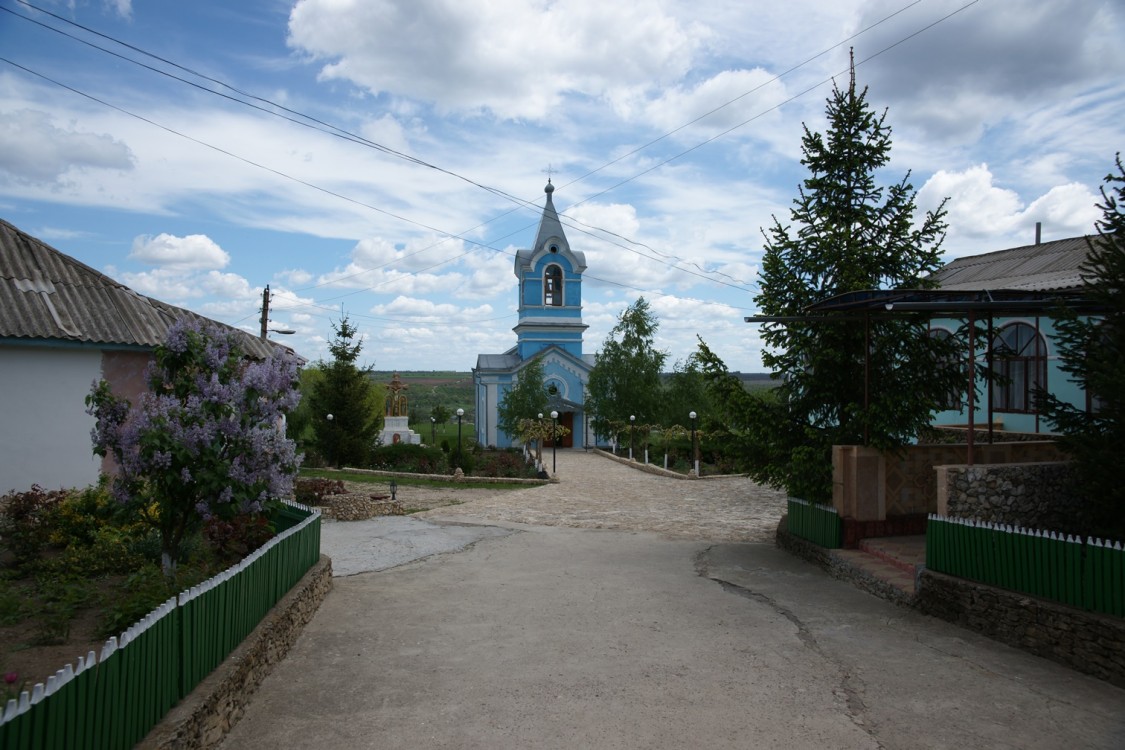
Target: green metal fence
{"type": "Point", "coordinates": [819, 524]}
{"type": "Point", "coordinates": [1089, 574]}
{"type": "Point", "coordinates": [114, 700]}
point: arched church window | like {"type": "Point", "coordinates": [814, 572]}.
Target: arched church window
{"type": "Point", "coordinates": [1021, 367]}
{"type": "Point", "coordinates": [552, 286]}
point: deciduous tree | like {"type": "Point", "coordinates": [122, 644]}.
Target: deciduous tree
{"type": "Point", "coordinates": [625, 380]}
{"type": "Point", "coordinates": [205, 440]}
{"type": "Point", "coordinates": [524, 400]}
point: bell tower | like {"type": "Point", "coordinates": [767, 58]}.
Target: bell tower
{"type": "Point", "coordinates": [550, 302]}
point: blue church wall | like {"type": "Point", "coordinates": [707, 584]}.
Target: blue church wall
{"type": "Point", "coordinates": [567, 380]}
{"type": "Point", "coordinates": [532, 287]}
{"type": "Point", "coordinates": [550, 326]}
{"type": "Point", "coordinates": [531, 344]}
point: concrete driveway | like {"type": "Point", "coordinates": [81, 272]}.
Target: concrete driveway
{"type": "Point", "coordinates": [553, 637]}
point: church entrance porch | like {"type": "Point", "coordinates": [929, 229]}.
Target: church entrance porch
{"type": "Point", "coordinates": [566, 419]}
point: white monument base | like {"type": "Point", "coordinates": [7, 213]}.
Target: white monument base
{"type": "Point", "coordinates": [397, 430]}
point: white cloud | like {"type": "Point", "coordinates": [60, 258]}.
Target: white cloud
{"type": "Point", "coordinates": [167, 285]}
{"type": "Point", "coordinates": [195, 251]}
{"type": "Point", "coordinates": [979, 209]}
{"type": "Point", "coordinates": [737, 95]}
{"type": "Point", "coordinates": [515, 58]}
{"type": "Point", "coordinates": [33, 149]}
{"type": "Point", "coordinates": [988, 62]}
{"type": "Point", "coordinates": [123, 8]}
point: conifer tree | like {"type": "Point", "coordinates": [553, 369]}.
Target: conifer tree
{"type": "Point", "coordinates": [347, 392]}
{"type": "Point", "coordinates": [848, 232]}
{"type": "Point", "coordinates": [1092, 350]}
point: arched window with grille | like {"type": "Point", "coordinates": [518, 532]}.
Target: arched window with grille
{"type": "Point", "coordinates": [552, 286]}
{"type": "Point", "coordinates": [1020, 360]}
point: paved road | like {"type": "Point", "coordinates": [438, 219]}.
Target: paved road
{"type": "Point", "coordinates": [556, 637]}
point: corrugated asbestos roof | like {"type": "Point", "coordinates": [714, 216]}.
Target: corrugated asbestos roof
{"type": "Point", "coordinates": [1046, 267]}
{"type": "Point", "coordinates": [45, 294]}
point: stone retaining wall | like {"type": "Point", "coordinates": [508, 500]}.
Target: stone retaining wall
{"type": "Point", "coordinates": [458, 476]}
{"type": "Point", "coordinates": [1031, 495]}
{"type": "Point", "coordinates": [352, 507]}
{"type": "Point", "coordinates": [1086, 641]}
{"type": "Point", "coordinates": [202, 719]}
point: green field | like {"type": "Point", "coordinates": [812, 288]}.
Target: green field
{"type": "Point", "coordinates": [426, 389]}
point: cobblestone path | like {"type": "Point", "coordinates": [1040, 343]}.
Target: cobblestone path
{"type": "Point", "coordinates": [596, 492]}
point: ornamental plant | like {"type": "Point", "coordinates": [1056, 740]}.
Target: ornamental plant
{"type": "Point", "coordinates": [205, 441]}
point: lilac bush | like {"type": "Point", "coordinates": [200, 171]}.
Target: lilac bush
{"type": "Point", "coordinates": [206, 440]}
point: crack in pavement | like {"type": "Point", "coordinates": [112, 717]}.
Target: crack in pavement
{"type": "Point", "coordinates": [851, 687]}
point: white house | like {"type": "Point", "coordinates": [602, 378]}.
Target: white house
{"type": "Point", "coordinates": [64, 326]}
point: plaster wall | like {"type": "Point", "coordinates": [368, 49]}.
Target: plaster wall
{"type": "Point", "coordinates": [45, 432]}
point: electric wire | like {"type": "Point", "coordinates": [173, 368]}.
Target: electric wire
{"type": "Point", "coordinates": [346, 135]}
{"type": "Point", "coordinates": [338, 132]}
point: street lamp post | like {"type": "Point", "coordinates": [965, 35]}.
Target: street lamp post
{"type": "Point", "coordinates": [433, 431]}
{"type": "Point", "coordinates": [460, 413]}
{"type": "Point", "coordinates": [694, 453]}
{"type": "Point", "coordinates": [331, 441]}
{"type": "Point", "coordinates": [539, 445]}
{"type": "Point", "coordinates": [554, 441]}
{"type": "Point", "coordinates": [632, 420]}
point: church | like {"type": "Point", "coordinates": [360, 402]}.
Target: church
{"type": "Point", "coordinates": [549, 329]}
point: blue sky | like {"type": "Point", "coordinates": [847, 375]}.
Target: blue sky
{"type": "Point", "coordinates": [672, 129]}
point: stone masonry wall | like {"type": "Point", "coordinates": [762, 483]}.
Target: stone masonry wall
{"type": "Point", "coordinates": [1086, 641]}
{"type": "Point", "coordinates": [1034, 495]}
{"type": "Point", "coordinates": [203, 718]}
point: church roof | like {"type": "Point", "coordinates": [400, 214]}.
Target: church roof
{"type": "Point", "coordinates": [550, 232]}
{"type": "Point", "coordinates": [549, 224]}
{"type": "Point", "coordinates": [507, 361]}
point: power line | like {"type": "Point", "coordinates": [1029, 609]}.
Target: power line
{"type": "Point", "coordinates": [347, 135]}
{"type": "Point", "coordinates": [338, 132]}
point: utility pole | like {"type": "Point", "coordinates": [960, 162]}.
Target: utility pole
{"type": "Point", "coordinates": [265, 309]}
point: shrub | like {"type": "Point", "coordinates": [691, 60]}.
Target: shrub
{"type": "Point", "coordinates": [25, 522]}
{"type": "Point", "coordinates": [312, 491]}
{"type": "Point", "coordinates": [417, 459]}
{"type": "Point", "coordinates": [505, 463]}
{"type": "Point", "coordinates": [144, 590]}
{"type": "Point", "coordinates": [60, 597]}
{"type": "Point", "coordinates": [233, 539]}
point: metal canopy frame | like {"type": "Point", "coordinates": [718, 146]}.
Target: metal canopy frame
{"type": "Point", "coordinates": [971, 305]}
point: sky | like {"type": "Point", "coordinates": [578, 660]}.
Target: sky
{"type": "Point", "coordinates": [384, 159]}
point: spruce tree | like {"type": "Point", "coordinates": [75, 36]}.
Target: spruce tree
{"type": "Point", "coordinates": [848, 232]}
{"type": "Point", "coordinates": [347, 392]}
{"type": "Point", "coordinates": [1092, 350]}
